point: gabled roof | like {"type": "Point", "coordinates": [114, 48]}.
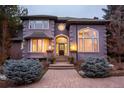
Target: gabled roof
{"type": "Point", "coordinates": [38, 35]}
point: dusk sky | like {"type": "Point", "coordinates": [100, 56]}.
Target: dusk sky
{"type": "Point", "coordinates": [85, 11]}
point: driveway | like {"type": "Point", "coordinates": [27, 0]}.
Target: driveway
{"type": "Point", "coordinates": [71, 79]}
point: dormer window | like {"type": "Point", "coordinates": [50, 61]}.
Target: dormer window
{"type": "Point", "coordinates": [39, 24]}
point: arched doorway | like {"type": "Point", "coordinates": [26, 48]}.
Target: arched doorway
{"type": "Point", "coordinates": [62, 45]}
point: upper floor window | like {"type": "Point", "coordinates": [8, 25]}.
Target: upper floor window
{"type": "Point", "coordinates": [39, 24]}
{"type": "Point", "coordinates": [88, 40]}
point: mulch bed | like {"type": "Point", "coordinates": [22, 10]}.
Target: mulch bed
{"type": "Point", "coordinates": [117, 73]}
{"type": "Point", "coordinates": [6, 84]}
{"type": "Point", "coordinates": [118, 69]}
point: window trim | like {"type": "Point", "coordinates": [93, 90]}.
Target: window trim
{"type": "Point", "coordinates": [38, 28]}
{"type": "Point", "coordinates": [93, 38]}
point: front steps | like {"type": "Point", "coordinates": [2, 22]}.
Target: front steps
{"type": "Point", "coordinates": [61, 66]}
{"type": "Point", "coordinates": [61, 58]}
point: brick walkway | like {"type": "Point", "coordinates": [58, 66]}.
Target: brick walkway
{"type": "Point", "coordinates": [71, 79]}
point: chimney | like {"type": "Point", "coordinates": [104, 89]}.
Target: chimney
{"type": "Point", "coordinates": [96, 18]}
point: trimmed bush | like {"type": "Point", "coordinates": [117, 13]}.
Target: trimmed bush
{"type": "Point", "coordinates": [95, 67]}
{"type": "Point", "coordinates": [23, 71]}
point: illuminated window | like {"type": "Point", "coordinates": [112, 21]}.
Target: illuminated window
{"type": "Point", "coordinates": [39, 45]}
{"type": "Point", "coordinates": [88, 40]}
{"type": "Point", "coordinates": [39, 24]}
{"type": "Point", "coordinates": [34, 45]}
{"type": "Point", "coordinates": [61, 26]}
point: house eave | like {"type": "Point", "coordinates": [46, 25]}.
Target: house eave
{"type": "Point", "coordinates": [16, 39]}
{"type": "Point", "coordinates": [38, 38]}
{"type": "Point", "coordinates": [88, 22]}
{"type": "Point", "coordinates": [38, 17]}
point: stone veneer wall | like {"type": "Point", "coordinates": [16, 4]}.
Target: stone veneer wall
{"type": "Point", "coordinates": [73, 39]}
{"type": "Point", "coordinates": [27, 32]}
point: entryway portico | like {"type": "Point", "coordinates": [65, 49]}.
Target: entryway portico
{"type": "Point", "coordinates": [62, 45]}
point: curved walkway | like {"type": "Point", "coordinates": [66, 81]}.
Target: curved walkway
{"type": "Point", "coordinates": [71, 79]}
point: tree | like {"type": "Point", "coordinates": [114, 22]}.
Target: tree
{"type": "Point", "coordinates": [115, 34]}
{"type": "Point", "coordinates": [10, 24]}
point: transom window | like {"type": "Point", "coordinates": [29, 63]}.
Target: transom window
{"type": "Point", "coordinates": [88, 40]}
{"type": "Point", "coordinates": [39, 45]}
{"type": "Point", "coordinates": [39, 24]}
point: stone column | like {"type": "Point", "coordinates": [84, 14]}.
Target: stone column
{"type": "Point", "coordinates": [49, 53]}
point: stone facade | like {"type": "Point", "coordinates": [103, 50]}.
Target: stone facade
{"type": "Point", "coordinates": [70, 32]}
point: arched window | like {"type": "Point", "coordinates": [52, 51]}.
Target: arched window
{"type": "Point", "coordinates": [88, 40]}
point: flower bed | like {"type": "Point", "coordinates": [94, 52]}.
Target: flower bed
{"type": "Point", "coordinates": [6, 84]}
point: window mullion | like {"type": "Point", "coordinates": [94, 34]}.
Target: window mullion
{"type": "Point", "coordinates": [83, 43]}
{"type": "Point", "coordinates": [41, 44]}
{"type": "Point", "coordinates": [37, 45]}
{"type": "Point", "coordinates": [92, 44]}
{"type": "Point", "coordinates": [83, 49]}
{"type": "Point", "coordinates": [34, 25]}
{"type": "Point", "coordinates": [42, 24]}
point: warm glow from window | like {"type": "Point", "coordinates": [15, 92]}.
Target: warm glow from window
{"type": "Point", "coordinates": [62, 40]}
{"type": "Point", "coordinates": [39, 45]}
{"type": "Point", "coordinates": [34, 45]}
{"type": "Point", "coordinates": [88, 40]}
{"type": "Point", "coordinates": [88, 45]}
{"type": "Point", "coordinates": [61, 27]}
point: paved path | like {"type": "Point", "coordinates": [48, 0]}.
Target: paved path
{"type": "Point", "coordinates": [71, 79]}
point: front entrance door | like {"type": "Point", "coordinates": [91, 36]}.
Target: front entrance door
{"type": "Point", "coordinates": [62, 45]}
{"type": "Point", "coordinates": [61, 48]}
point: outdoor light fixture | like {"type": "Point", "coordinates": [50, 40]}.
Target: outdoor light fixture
{"type": "Point", "coordinates": [73, 47]}
{"type": "Point", "coordinates": [50, 47]}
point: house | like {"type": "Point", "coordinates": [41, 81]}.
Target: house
{"type": "Point", "coordinates": [60, 36]}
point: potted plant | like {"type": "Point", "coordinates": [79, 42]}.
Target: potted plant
{"type": "Point", "coordinates": [71, 60]}
{"type": "Point", "coordinates": [52, 60]}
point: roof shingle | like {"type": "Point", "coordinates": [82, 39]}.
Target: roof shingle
{"type": "Point", "coordinates": [38, 35]}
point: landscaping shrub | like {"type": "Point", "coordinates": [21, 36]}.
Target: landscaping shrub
{"type": "Point", "coordinates": [95, 67]}
{"type": "Point", "coordinates": [23, 71]}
